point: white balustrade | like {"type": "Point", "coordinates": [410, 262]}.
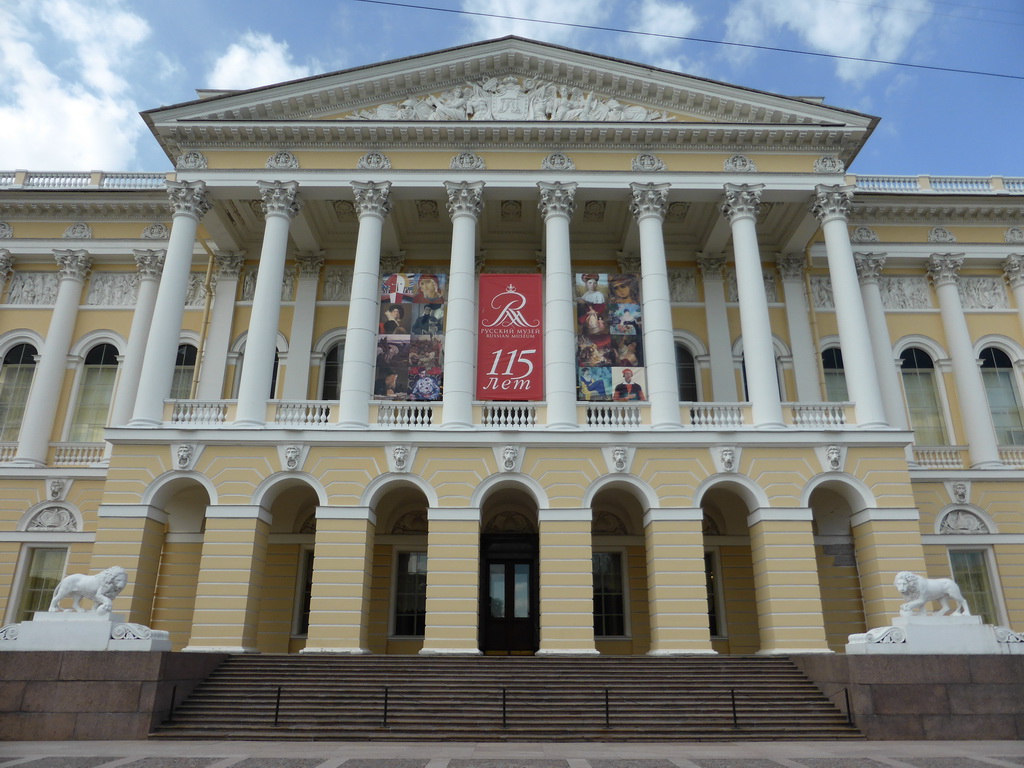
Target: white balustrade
{"type": "Point", "coordinates": [58, 180]}
{"type": "Point", "coordinates": [939, 458]}
{"type": "Point", "coordinates": [509, 416]}
{"type": "Point", "coordinates": [717, 415]}
{"type": "Point", "coordinates": [819, 415]}
{"type": "Point", "coordinates": [78, 454]}
{"type": "Point", "coordinates": [310, 413]}
{"type": "Point", "coordinates": [132, 180]}
{"type": "Point", "coordinates": [1012, 457]}
{"type": "Point", "coordinates": [8, 451]}
{"type": "Point", "coordinates": [405, 415]}
{"type": "Point", "coordinates": [613, 416]}
{"type": "Point", "coordinates": [199, 412]}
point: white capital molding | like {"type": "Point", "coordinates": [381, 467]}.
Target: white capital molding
{"type": "Point", "coordinates": [566, 515]}
{"type": "Point", "coordinates": [239, 512]}
{"type": "Point", "coordinates": [280, 198]}
{"type": "Point", "coordinates": [832, 202]}
{"type": "Point", "coordinates": [742, 201]}
{"type": "Point", "coordinates": [791, 266]}
{"type": "Point", "coordinates": [885, 515]}
{"type": "Point", "coordinates": [346, 513]}
{"type": "Point", "coordinates": [778, 515]}
{"type": "Point", "coordinates": [144, 511]}
{"type": "Point", "coordinates": [372, 198]}
{"type": "Point", "coordinates": [944, 268]}
{"type": "Point", "coordinates": [229, 263]}
{"type": "Point", "coordinates": [465, 198]}
{"type": "Point", "coordinates": [711, 268]}
{"type": "Point", "coordinates": [465, 514]}
{"type": "Point", "coordinates": [150, 262]}
{"type": "Point", "coordinates": [649, 200]}
{"type": "Point", "coordinates": [869, 266]}
{"type": "Point", "coordinates": [310, 263]}
{"type": "Point", "coordinates": [74, 264]}
{"type": "Point", "coordinates": [1013, 269]}
{"type": "Point", "coordinates": [188, 198]}
{"type": "Point", "coordinates": [676, 515]}
{"type": "Point", "coordinates": [557, 199]}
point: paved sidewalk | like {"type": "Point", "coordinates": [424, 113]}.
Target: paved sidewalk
{"type": "Point", "coordinates": [249, 754]}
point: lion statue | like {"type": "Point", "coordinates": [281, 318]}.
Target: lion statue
{"type": "Point", "coordinates": [920, 591]}
{"type": "Point", "coordinates": [101, 588]}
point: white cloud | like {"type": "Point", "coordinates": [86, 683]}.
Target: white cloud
{"type": "Point", "coordinates": [257, 59]}
{"type": "Point", "coordinates": [72, 114]}
{"type": "Point", "coordinates": [565, 11]}
{"type": "Point", "coordinates": [663, 17]}
{"type": "Point", "coordinates": [865, 29]}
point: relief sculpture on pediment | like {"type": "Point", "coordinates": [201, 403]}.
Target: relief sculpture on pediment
{"type": "Point", "coordinates": [513, 99]}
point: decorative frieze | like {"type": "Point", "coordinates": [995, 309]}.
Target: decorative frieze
{"type": "Point", "coordinates": [941, 235]}
{"type": "Point", "coordinates": [6, 264]}
{"type": "Point", "coordinates": [905, 292]}
{"type": "Point", "coordinates": [52, 520]}
{"type": "Point", "coordinates": [191, 161]}
{"type": "Point", "coordinates": [771, 292]}
{"type": "Point", "coordinates": [33, 288]}
{"type": "Point", "coordinates": [983, 293]}
{"type": "Point", "coordinates": [337, 284]}
{"type": "Point", "coordinates": [156, 231]}
{"type": "Point", "coordinates": [864, 235]}
{"type": "Point", "coordinates": [284, 161]}
{"type": "Point", "coordinates": [79, 231]}
{"type": "Point", "coordinates": [6, 231]}
{"type": "Point", "coordinates": [1012, 235]}
{"type": "Point", "coordinates": [829, 164]}
{"type": "Point", "coordinates": [195, 293]}
{"type": "Point", "coordinates": [112, 289]}
{"type": "Point", "coordinates": [374, 161]}
{"type": "Point", "coordinates": [648, 163]}
{"type": "Point", "coordinates": [467, 161]}
{"type": "Point", "coordinates": [821, 292]}
{"type": "Point", "coordinates": [682, 285]}
{"type": "Point", "coordinates": [739, 164]}
{"type": "Point", "coordinates": [557, 161]}
{"type": "Point", "coordinates": [962, 522]}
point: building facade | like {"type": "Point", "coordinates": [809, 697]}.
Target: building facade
{"type": "Point", "coordinates": [511, 348]}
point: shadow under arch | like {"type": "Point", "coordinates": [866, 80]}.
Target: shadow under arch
{"type": "Point", "coordinates": [267, 492]}
{"type": "Point", "coordinates": [384, 484]}
{"type": "Point", "coordinates": [640, 490]}
{"type": "Point", "coordinates": [853, 490]}
{"type": "Point", "coordinates": [509, 481]}
{"type": "Point", "coordinates": [746, 489]}
{"type": "Point", "coordinates": [169, 484]}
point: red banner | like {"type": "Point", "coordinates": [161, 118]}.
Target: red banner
{"type": "Point", "coordinates": [510, 353]}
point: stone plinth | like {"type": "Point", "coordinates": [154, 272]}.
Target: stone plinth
{"type": "Point", "coordinates": [948, 635]}
{"type": "Point", "coordinates": [89, 631]}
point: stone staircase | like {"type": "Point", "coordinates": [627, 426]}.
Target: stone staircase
{"type": "Point", "coordinates": [414, 698]}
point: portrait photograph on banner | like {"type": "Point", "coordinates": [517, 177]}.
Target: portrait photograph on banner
{"type": "Point", "coordinates": [609, 337]}
{"type": "Point", "coordinates": [510, 338]}
{"type": "Point", "coordinates": [410, 337]}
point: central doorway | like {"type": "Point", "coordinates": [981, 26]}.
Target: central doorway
{"type": "Point", "coordinates": [509, 586]}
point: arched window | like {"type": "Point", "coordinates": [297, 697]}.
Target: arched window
{"type": "Point", "coordinates": [686, 374]}
{"type": "Point", "coordinates": [835, 378]}
{"type": "Point", "coordinates": [15, 380]}
{"type": "Point", "coordinates": [273, 377]}
{"type": "Point", "coordinates": [921, 390]}
{"type": "Point", "coordinates": [95, 389]}
{"type": "Point", "coordinates": [331, 388]}
{"type": "Point", "coordinates": [184, 372]}
{"type": "Point", "coordinates": [1003, 397]}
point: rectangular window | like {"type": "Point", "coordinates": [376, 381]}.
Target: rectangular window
{"type": "Point", "coordinates": [971, 574]}
{"type": "Point", "coordinates": [15, 381]}
{"type": "Point", "coordinates": [609, 595]}
{"type": "Point", "coordinates": [43, 574]}
{"type": "Point", "coordinates": [711, 578]}
{"type": "Point", "coordinates": [411, 594]}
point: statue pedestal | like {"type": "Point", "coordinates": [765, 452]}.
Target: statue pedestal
{"type": "Point", "coordinates": [924, 634]}
{"type": "Point", "coordinates": [89, 631]}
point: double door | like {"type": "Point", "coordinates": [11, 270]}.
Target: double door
{"type": "Point", "coordinates": [509, 588]}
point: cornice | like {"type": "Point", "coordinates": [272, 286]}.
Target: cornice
{"type": "Point", "coordinates": [1007, 211]}
{"type": "Point", "coordinates": [30, 209]}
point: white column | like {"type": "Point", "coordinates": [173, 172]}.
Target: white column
{"type": "Point", "coordinates": [1013, 268]}
{"type": "Point", "coordinates": [869, 267]}
{"type": "Point", "coordinates": [465, 202]}
{"type": "Point", "coordinates": [648, 208]}
{"type": "Point", "coordinates": [373, 204]}
{"type": "Point", "coordinates": [213, 365]}
{"type": "Point", "coordinates": [944, 273]}
{"type": "Point", "coordinates": [150, 264]}
{"type": "Point", "coordinates": [723, 376]}
{"type": "Point", "coordinates": [188, 206]}
{"type": "Point", "coordinates": [741, 206]}
{"type": "Point", "coordinates": [40, 409]}
{"type": "Point", "coordinates": [557, 204]}
{"type": "Point", "coordinates": [805, 357]}
{"type": "Point", "coordinates": [281, 205]}
{"type": "Point", "coordinates": [831, 207]}
{"type": "Point", "coordinates": [300, 342]}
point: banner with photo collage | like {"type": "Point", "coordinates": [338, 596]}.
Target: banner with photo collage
{"type": "Point", "coordinates": [609, 337]}
{"type": "Point", "coordinates": [410, 337]}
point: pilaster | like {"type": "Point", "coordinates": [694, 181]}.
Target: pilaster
{"type": "Point", "coordinates": [566, 583]}
{"type": "Point", "coordinates": [453, 582]}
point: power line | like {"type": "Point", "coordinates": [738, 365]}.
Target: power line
{"type": "Point", "coordinates": [662, 35]}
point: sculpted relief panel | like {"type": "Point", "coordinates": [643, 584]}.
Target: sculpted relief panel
{"type": "Point", "coordinates": [513, 99]}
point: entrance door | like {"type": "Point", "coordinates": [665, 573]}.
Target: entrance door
{"type": "Point", "coordinates": [508, 599]}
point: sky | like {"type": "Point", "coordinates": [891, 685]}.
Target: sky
{"type": "Point", "coordinates": [76, 73]}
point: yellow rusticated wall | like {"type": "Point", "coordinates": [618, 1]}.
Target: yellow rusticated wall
{"type": "Point", "coordinates": [176, 589]}
{"type": "Point", "coordinates": [277, 603]}
{"type": "Point", "coordinates": [841, 602]}
{"type": "Point", "coordinates": [740, 607]}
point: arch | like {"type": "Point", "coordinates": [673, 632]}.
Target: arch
{"type": "Point", "coordinates": [852, 489]}
{"type": "Point", "coordinates": [694, 343]}
{"type": "Point", "coordinates": [94, 338]}
{"type": "Point", "coordinates": [505, 480]}
{"type": "Point", "coordinates": [751, 493]}
{"type": "Point", "coordinates": [169, 483]}
{"type": "Point", "coordinates": [238, 345]}
{"type": "Point", "coordinates": [13, 338]}
{"type": "Point", "coordinates": [328, 340]}
{"type": "Point", "coordinates": [973, 509]}
{"type": "Point", "coordinates": [381, 485]}
{"type": "Point", "coordinates": [267, 492]}
{"type": "Point", "coordinates": [640, 490]}
{"type": "Point", "coordinates": [38, 507]}
{"type": "Point", "coordinates": [928, 344]}
{"type": "Point", "coordinates": [778, 345]}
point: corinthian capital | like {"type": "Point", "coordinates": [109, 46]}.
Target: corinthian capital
{"type": "Point", "coordinates": [791, 266]}
{"type": "Point", "coordinates": [6, 262]}
{"type": "Point", "coordinates": [465, 198]}
{"type": "Point", "coordinates": [832, 202]}
{"type": "Point", "coordinates": [372, 198]}
{"type": "Point", "coordinates": [74, 265]}
{"type": "Point", "coordinates": [310, 263]}
{"type": "Point", "coordinates": [280, 198]}
{"type": "Point", "coordinates": [150, 262]}
{"type": "Point", "coordinates": [649, 200]}
{"type": "Point", "coordinates": [557, 199]}
{"type": "Point", "coordinates": [742, 201]}
{"type": "Point", "coordinates": [188, 198]}
{"type": "Point", "coordinates": [944, 268]}
{"type": "Point", "coordinates": [1013, 268]}
{"type": "Point", "coordinates": [869, 266]}
{"type": "Point", "coordinates": [229, 263]}
{"type": "Point", "coordinates": [711, 267]}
